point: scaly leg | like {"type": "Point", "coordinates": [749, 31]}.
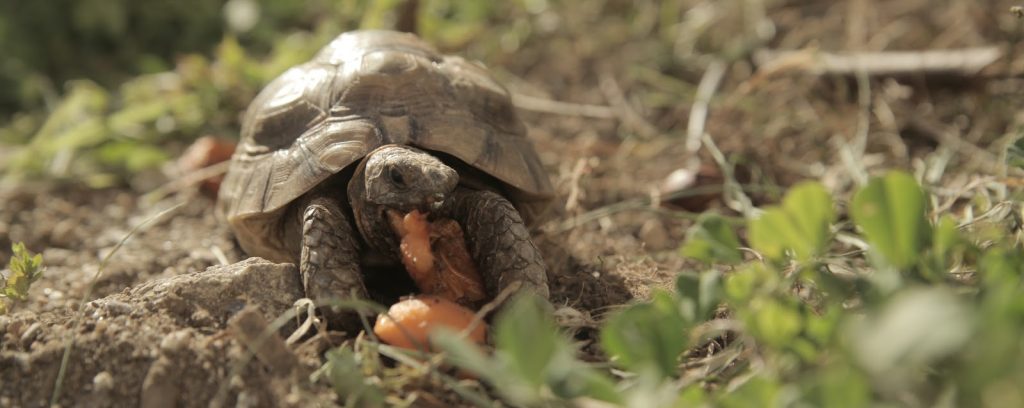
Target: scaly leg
{"type": "Point", "coordinates": [330, 260]}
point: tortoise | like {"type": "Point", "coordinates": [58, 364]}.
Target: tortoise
{"type": "Point", "coordinates": [379, 121]}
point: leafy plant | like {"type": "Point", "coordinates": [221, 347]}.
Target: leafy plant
{"type": "Point", "coordinates": [23, 269]}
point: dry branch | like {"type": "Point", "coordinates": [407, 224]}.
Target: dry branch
{"type": "Point", "coordinates": [542, 105]}
{"type": "Point", "coordinates": [965, 61]}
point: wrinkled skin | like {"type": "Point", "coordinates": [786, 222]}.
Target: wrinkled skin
{"type": "Point", "coordinates": [403, 178]}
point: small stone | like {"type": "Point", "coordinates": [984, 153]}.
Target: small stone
{"type": "Point", "coordinates": [247, 399]}
{"type": "Point", "coordinates": [116, 308]}
{"type": "Point", "coordinates": [175, 342]}
{"type": "Point", "coordinates": [101, 326]}
{"type": "Point", "coordinates": [24, 361]}
{"type": "Point", "coordinates": [654, 235]}
{"type": "Point", "coordinates": [30, 335]}
{"type": "Point", "coordinates": [103, 382]}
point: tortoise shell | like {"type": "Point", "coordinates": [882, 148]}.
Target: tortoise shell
{"type": "Point", "coordinates": [364, 90]}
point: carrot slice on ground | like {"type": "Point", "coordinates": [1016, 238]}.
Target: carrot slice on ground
{"type": "Point", "coordinates": [409, 322]}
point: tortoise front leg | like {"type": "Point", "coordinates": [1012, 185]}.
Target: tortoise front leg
{"type": "Point", "coordinates": [329, 263]}
{"type": "Point", "coordinates": [499, 241]}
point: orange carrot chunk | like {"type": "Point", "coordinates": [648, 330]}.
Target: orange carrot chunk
{"type": "Point", "coordinates": [409, 322]}
{"type": "Point", "coordinates": [435, 255]}
{"type": "Point", "coordinates": [416, 243]}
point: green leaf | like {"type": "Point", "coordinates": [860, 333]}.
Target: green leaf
{"type": "Point", "coordinates": [915, 328]}
{"type": "Point", "coordinates": [577, 379]}
{"type": "Point", "coordinates": [1015, 152]}
{"type": "Point", "coordinates": [463, 353]}
{"type": "Point", "coordinates": [692, 396]}
{"type": "Point", "coordinates": [749, 279]}
{"type": "Point", "coordinates": [647, 336]}
{"type": "Point", "coordinates": [699, 295]}
{"type": "Point", "coordinates": [840, 386]}
{"type": "Point", "coordinates": [946, 236]}
{"type": "Point", "coordinates": [345, 373]}
{"type": "Point", "coordinates": [531, 357]}
{"type": "Point", "coordinates": [527, 338]}
{"type": "Point", "coordinates": [712, 240]}
{"type": "Point", "coordinates": [775, 323]}
{"type": "Point", "coordinates": [757, 392]}
{"type": "Point", "coordinates": [891, 212]}
{"type": "Point", "coordinates": [132, 156]}
{"type": "Point", "coordinates": [800, 224]}
{"type": "Point", "coordinates": [25, 269]}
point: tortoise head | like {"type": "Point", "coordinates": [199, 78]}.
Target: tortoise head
{"type": "Point", "coordinates": [404, 178]}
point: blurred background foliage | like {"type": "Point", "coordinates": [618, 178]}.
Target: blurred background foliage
{"type": "Point", "coordinates": [104, 92]}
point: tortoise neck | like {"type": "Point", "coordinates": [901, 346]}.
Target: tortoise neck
{"type": "Point", "coordinates": [369, 217]}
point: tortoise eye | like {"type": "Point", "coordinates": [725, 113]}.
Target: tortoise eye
{"type": "Point", "coordinates": [396, 177]}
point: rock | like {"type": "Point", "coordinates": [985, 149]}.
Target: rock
{"type": "Point", "coordinates": [222, 291]}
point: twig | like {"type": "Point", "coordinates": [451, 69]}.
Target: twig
{"type": "Point", "coordinates": [542, 105]}
{"type": "Point", "coordinates": [309, 322]}
{"type": "Point", "coordinates": [219, 254]}
{"type": "Point", "coordinates": [699, 110]}
{"type": "Point", "coordinates": [852, 154]}
{"type": "Point", "coordinates": [957, 194]}
{"type": "Point", "coordinates": [400, 355]}
{"type": "Point", "coordinates": [490, 306]}
{"type": "Point", "coordinates": [186, 181]}
{"type": "Point", "coordinates": [572, 202]}
{"type": "Point", "coordinates": [740, 201]}
{"type": "Point", "coordinates": [963, 61]}
{"type": "Point", "coordinates": [610, 87]}
{"type": "Point", "coordinates": [950, 137]}
{"type": "Point", "coordinates": [641, 203]}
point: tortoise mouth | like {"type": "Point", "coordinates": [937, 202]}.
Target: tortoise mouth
{"type": "Point", "coordinates": [426, 206]}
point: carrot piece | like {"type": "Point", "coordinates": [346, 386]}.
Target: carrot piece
{"type": "Point", "coordinates": [412, 320]}
{"type": "Point", "coordinates": [415, 247]}
{"type": "Point", "coordinates": [436, 257]}
{"type": "Point", "coordinates": [459, 279]}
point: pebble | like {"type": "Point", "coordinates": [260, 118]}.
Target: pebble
{"type": "Point", "coordinates": [175, 341]}
{"type": "Point", "coordinates": [24, 361]}
{"type": "Point", "coordinates": [101, 326]}
{"type": "Point", "coordinates": [115, 308]}
{"type": "Point", "coordinates": [30, 335]}
{"type": "Point", "coordinates": [654, 235]}
{"type": "Point", "coordinates": [103, 382]}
